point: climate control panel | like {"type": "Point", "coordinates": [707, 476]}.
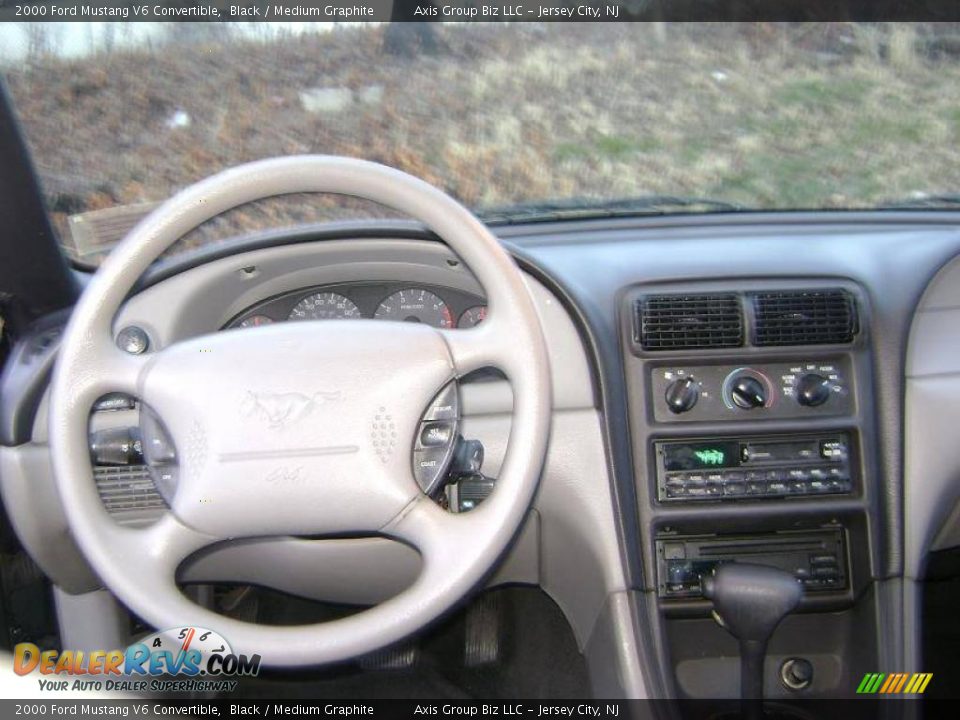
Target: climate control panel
{"type": "Point", "coordinates": [767, 390]}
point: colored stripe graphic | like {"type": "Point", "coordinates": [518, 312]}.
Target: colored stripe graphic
{"type": "Point", "coordinates": [915, 681]}
{"type": "Point", "coordinates": [894, 683]}
{"type": "Point", "coordinates": [891, 679]}
{"type": "Point", "coordinates": [870, 683]}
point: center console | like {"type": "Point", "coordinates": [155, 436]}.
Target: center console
{"type": "Point", "coordinates": [753, 443]}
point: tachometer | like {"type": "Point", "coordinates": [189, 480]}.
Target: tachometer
{"type": "Point", "coordinates": [416, 305]}
{"type": "Point", "coordinates": [325, 306]}
{"type": "Point", "coordinates": [472, 316]}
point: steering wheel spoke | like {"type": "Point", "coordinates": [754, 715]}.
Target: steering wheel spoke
{"type": "Point", "coordinates": [489, 344]}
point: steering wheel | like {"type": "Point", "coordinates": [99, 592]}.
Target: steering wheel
{"type": "Point", "coordinates": [342, 463]}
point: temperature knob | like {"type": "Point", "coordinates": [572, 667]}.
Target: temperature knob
{"type": "Point", "coordinates": [813, 390]}
{"type": "Point", "coordinates": [682, 394]}
{"type": "Point", "coordinates": [747, 392]}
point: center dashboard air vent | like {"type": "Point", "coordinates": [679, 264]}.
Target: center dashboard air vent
{"type": "Point", "coordinates": [804, 317]}
{"type": "Point", "coordinates": [689, 321]}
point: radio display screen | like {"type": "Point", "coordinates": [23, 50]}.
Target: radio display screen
{"type": "Point", "coordinates": [701, 455]}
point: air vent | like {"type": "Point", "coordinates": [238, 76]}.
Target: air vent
{"type": "Point", "coordinates": [689, 322]}
{"type": "Point", "coordinates": [128, 493]}
{"type": "Point", "coordinates": [804, 317]}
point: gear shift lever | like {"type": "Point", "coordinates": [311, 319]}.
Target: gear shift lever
{"type": "Point", "coordinates": [750, 601]}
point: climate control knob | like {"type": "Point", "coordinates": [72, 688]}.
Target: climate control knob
{"type": "Point", "coordinates": [813, 390]}
{"type": "Point", "coordinates": [747, 392]}
{"type": "Point", "coordinates": [682, 394]}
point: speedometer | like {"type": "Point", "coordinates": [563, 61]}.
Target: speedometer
{"type": "Point", "coordinates": [325, 306]}
{"type": "Point", "coordinates": [416, 305]}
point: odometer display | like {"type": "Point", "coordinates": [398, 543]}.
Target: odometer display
{"type": "Point", "coordinates": [415, 305]}
{"type": "Point", "coordinates": [325, 306]}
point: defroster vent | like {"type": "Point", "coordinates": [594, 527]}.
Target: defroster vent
{"type": "Point", "coordinates": [804, 317]}
{"type": "Point", "coordinates": [689, 322]}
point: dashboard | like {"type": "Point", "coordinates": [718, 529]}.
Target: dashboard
{"type": "Point", "coordinates": [440, 307]}
{"type": "Point", "coordinates": [783, 445]}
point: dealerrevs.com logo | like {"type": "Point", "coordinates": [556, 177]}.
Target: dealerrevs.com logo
{"type": "Point", "coordinates": [188, 659]}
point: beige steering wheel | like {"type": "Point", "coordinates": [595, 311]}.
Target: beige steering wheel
{"type": "Point", "coordinates": [374, 380]}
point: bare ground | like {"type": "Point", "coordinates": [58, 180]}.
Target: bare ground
{"type": "Point", "coordinates": [767, 116]}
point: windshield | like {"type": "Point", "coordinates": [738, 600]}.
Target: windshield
{"type": "Point", "coordinates": [716, 117]}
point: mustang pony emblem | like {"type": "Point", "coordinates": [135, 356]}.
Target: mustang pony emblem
{"type": "Point", "coordinates": [282, 409]}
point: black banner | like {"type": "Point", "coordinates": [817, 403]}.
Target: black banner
{"type": "Point", "coordinates": [477, 10]}
{"type": "Point", "coordinates": [866, 709]}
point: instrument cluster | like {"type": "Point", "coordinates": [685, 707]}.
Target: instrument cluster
{"type": "Point", "coordinates": [437, 306]}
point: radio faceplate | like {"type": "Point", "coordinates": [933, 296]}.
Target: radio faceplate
{"type": "Point", "coordinates": [763, 467]}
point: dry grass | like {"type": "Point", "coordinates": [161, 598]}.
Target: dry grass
{"type": "Point", "coordinates": [825, 116]}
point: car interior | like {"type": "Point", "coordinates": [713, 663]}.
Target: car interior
{"type": "Point", "coordinates": [565, 454]}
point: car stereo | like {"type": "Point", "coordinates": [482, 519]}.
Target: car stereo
{"type": "Point", "coordinates": [817, 559]}
{"type": "Point", "coordinates": [753, 467]}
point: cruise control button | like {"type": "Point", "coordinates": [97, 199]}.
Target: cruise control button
{"type": "Point", "coordinates": [436, 434]}
{"type": "Point", "coordinates": [427, 466]}
{"type": "Point", "coordinates": [445, 405]}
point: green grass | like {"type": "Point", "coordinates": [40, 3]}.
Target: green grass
{"type": "Point", "coordinates": [610, 147]}
{"type": "Point", "coordinates": [823, 93]}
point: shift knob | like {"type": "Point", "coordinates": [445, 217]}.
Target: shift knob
{"type": "Point", "coordinates": [750, 601]}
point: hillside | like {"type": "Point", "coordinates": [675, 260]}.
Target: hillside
{"type": "Point", "coordinates": [767, 116]}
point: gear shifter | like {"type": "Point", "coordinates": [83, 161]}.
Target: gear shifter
{"type": "Point", "coordinates": [750, 601]}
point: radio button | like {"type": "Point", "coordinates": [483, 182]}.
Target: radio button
{"type": "Point", "coordinates": [833, 450]}
{"type": "Point", "coordinates": [819, 486]}
{"type": "Point", "coordinates": [676, 492]}
{"type": "Point", "coordinates": [733, 476]}
{"type": "Point", "coordinates": [839, 486]}
{"type": "Point", "coordinates": [695, 479]}
{"type": "Point", "coordinates": [755, 488]}
{"type": "Point", "coordinates": [777, 488]}
{"type": "Point", "coordinates": [734, 489]}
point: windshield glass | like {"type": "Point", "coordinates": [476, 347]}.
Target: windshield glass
{"type": "Point", "coordinates": [559, 117]}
